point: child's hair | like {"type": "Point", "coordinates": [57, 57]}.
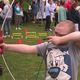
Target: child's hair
{"type": "Point", "coordinates": [69, 24]}
{"type": "Point", "coordinates": [62, 2]}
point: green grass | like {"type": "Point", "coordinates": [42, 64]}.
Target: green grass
{"type": "Point", "coordinates": [24, 67]}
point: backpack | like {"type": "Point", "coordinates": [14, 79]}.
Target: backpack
{"type": "Point", "coordinates": [56, 67]}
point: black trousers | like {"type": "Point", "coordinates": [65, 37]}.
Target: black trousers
{"type": "Point", "coordinates": [48, 22]}
{"type": "Point", "coordinates": [56, 19]}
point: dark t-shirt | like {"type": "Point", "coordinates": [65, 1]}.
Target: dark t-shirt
{"type": "Point", "coordinates": [73, 15]}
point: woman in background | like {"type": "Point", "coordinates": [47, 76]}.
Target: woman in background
{"type": "Point", "coordinates": [34, 7]}
{"type": "Point", "coordinates": [7, 24]}
{"type": "Point", "coordinates": [62, 12]}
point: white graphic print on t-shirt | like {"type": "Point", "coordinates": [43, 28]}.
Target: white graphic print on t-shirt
{"type": "Point", "coordinates": [60, 59]}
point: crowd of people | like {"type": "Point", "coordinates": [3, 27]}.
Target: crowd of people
{"type": "Point", "coordinates": [55, 12]}
{"type": "Point", "coordinates": [62, 10]}
{"type": "Point", "coordinates": [16, 14]}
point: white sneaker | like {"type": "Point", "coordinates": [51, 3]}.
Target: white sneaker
{"type": "Point", "coordinates": [16, 28]}
{"type": "Point", "coordinates": [5, 36]}
{"type": "Point", "coordinates": [33, 22]}
{"type": "Point", "coordinates": [19, 28]}
{"type": "Point", "coordinates": [8, 35]}
{"type": "Point", "coordinates": [50, 29]}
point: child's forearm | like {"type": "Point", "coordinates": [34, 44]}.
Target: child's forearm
{"type": "Point", "coordinates": [21, 48]}
{"type": "Point", "coordinates": [75, 36]}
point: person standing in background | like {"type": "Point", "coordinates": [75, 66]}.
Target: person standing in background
{"type": "Point", "coordinates": [53, 7]}
{"type": "Point", "coordinates": [56, 12]}
{"type": "Point", "coordinates": [74, 16]}
{"type": "Point", "coordinates": [7, 24]}
{"type": "Point", "coordinates": [18, 16]}
{"type": "Point", "coordinates": [62, 12]}
{"type": "Point", "coordinates": [25, 6]}
{"type": "Point", "coordinates": [34, 7]}
{"type": "Point", "coordinates": [48, 15]}
{"type": "Point", "coordinates": [2, 4]}
{"type": "Point", "coordinates": [1, 7]}
{"type": "Point", "coordinates": [68, 4]}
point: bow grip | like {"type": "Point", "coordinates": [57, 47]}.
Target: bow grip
{"type": "Point", "coordinates": [1, 41]}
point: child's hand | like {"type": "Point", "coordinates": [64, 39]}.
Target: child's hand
{"type": "Point", "coordinates": [54, 39]}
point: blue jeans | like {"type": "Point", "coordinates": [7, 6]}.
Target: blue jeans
{"type": "Point", "coordinates": [7, 26]}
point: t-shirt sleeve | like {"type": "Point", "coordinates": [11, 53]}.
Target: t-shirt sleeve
{"type": "Point", "coordinates": [77, 53]}
{"type": "Point", "coordinates": [42, 49]}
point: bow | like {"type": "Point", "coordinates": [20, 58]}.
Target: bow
{"type": "Point", "coordinates": [1, 48]}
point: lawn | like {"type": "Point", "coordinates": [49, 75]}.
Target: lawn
{"type": "Point", "coordinates": [24, 67]}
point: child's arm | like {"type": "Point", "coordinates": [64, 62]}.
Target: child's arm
{"type": "Point", "coordinates": [75, 37]}
{"type": "Point", "coordinates": [21, 48]}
